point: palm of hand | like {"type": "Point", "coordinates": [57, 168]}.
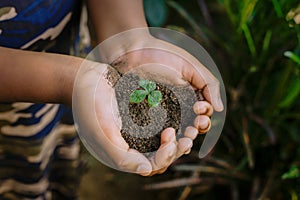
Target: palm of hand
{"type": "Point", "coordinates": [103, 126]}
{"type": "Point", "coordinates": [170, 149]}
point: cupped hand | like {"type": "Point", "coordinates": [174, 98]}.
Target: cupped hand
{"type": "Point", "coordinates": [98, 122]}
{"type": "Point", "coordinates": [174, 66]}
{"type": "Point", "coordinates": [160, 61]}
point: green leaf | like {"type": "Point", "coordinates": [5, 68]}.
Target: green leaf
{"type": "Point", "coordinates": [229, 11]}
{"type": "Point", "coordinates": [147, 85]}
{"type": "Point", "coordinates": [278, 8]}
{"type": "Point", "coordinates": [137, 96]}
{"type": "Point", "coordinates": [154, 98]}
{"type": "Point", "coordinates": [292, 93]}
{"type": "Point", "coordinates": [246, 12]}
{"type": "Point", "coordinates": [188, 17]}
{"type": "Point", "coordinates": [293, 57]}
{"type": "Point", "coordinates": [156, 12]}
{"type": "Point", "coordinates": [293, 172]}
{"type": "Point", "coordinates": [266, 41]}
{"type": "Point", "coordinates": [249, 39]}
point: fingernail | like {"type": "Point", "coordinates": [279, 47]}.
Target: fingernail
{"type": "Point", "coordinates": [220, 104]}
{"type": "Point", "coordinates": [170, 135]}
{"type": "Point", "coordinates": [187, 151]}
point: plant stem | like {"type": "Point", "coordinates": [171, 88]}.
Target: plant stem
{"type": "Point", "coordinates": [277, 8]}
{"type": "Point", "coordinates": [189, 19]}
{"type": "Point", "coordinates": [173, 183]}
{"type": "Point", "coordinates": [206, 14]}
{"type": "Point", "coordinates": [246, 140]}
{"type": "Point", "coordinates": [268, 185]}
{"type": "Point", "coordinates": [185, 193]}
{"type": "Point", "coordinates": [212, 170]}
{"type": "Point", "coordinates": [249, 39]}
{"type": "Point", "coordinates": [260, 121]}
{"type": "Point", "coordinates": [281, 86]}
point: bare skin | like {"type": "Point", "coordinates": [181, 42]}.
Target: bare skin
{"type": "Point", "coordinates": [56, 75]}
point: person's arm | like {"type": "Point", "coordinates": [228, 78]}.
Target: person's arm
{"type": "Point", "coordinates": [36, 77]}
{"type": "Point", "coordinates": [110, 17]}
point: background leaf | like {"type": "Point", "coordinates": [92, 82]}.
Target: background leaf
{"type": "Point", "coordinates": [293, 172]}
{"type": "Point", "coordinates": [292, 93]}
{"type": "Point", "coordinates": [138, 96]}
{"type": "Point", "coordinates": [156, 12]}
{"type": "Point", "coordinates": [293, 57]}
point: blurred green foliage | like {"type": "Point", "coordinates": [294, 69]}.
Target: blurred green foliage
{"type": "Point", "coordinates": [256, 45]}
{"type": "Point", "coordinates": [293, 172]}
{"type": "Point", "coordinates": [155, 12]}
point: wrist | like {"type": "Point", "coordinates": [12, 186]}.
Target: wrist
{"type": "Point", "coordinates": [66, 75]}
{"type": "Point", "coordinates": [122, 43]}
{"type": "Point", "coordinates": [37, 77]}
{"type": "Point", "coordinates": [112, 17]}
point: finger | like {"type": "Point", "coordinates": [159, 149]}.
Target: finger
{"type": "Point", "coordinates": [164, 156]}
{"type": "Point", "coordinates": [212, 93]}
{"type": "Point", "coordinates": [191, 132]}
{"type": "Point", "coordinates": [167, 136]}
{"type": "Point", "coordinates": [160, 171]}
{"type": "Point", "coordinates": [184, 146]}
{"type": "Point", "coordinates": [200, 77]}
{"type": "Point", "coordinates": [124, 158]}
{"type": "Point", "coordinates": [130, 161]}
{"type": "Point", "coordinates": [193, 71]}
{"type": "Point", "coordinates": [203, 108]}
{"type": "Point", "coordinates": [166, 152]}
{"type": "Point", "coordinates": [202, 123]}
{"type": "Point", "coordinates": [101, 127]}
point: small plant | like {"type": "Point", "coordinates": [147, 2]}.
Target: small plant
{"type": "Point", "coordinates": [153, 96]}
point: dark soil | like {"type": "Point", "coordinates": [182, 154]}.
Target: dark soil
{"type": "Point", "coordinates": [139, 114]}
{"type": "Point", "coordinates": [142, 125]}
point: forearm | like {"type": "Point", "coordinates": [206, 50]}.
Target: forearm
{"type": "Point", "coordinates": [36, 77]}
{"type": "Point", "coordinates": [110, 17]}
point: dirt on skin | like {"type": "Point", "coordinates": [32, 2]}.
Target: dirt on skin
{"type": "Point", "coordinates": [112, 76]}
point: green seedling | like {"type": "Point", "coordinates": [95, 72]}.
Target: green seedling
{"type": "Point", "coordinates": [153, 96]}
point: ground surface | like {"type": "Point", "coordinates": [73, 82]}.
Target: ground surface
{"type": "Point", "coordinates": [101, 183]}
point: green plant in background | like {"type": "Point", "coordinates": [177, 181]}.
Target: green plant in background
{"type": "Point", "coordinates": [155, 12]}
{"type": "Point", "coordinates": [154, 96]}
{"type": "Point", "coordinates": [256, 45]}
{"type": "Point", "coordinates": [293, 172]}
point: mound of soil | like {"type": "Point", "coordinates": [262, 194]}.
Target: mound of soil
{"type": "Point", "coordinates": [139, 113]}
{"type": "Point", "coordinates": [142, 124]}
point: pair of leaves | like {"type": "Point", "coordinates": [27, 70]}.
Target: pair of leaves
{"type": "Point", "coordinates": [154, 96]}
